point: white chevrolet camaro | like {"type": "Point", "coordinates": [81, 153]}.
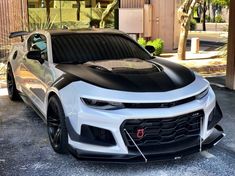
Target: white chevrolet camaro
{"type": "Point", "coordinates": [104, 97]}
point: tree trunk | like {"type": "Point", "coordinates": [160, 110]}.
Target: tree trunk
{"type": "Point", "coordinates": [204, 16]}
{"type": "Point", "coordinates": [185, 13]}
{"type": "Point", "coordinates": [182, 43]}
{"type": "Point", "coordinates": [209, 9]}
{"type": "Point", "coordinates": [78, 10]}
{"type": "Point", "coordinates": [213, 12]}
{"type": "Point", "coordinates": [48, 11]}
{"type": "Point", "coordinates": [107, 12]}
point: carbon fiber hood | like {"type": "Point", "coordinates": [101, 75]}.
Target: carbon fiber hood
{"type": "Point", "coordinates": [133, 75]}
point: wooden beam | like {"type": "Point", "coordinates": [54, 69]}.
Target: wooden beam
{"type": "Point", "coordinates": [230, 77]}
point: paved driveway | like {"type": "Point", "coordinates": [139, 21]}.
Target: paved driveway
{"type": "Point", "coordinates": [25, 149]}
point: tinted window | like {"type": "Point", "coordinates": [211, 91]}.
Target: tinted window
{"type": "Point", "coordinates": [37, 42]}
{"type": "Point", "coordinates": [80, 48]}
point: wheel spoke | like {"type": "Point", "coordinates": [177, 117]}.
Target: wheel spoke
{"type": "Point", "coordinates": [53, 122]}
{"type": "Point", "coordinates": [54, 108]}
{"type": "Point", "coordinates": [57, 136]}
{"type": "Point", "coordinates": [54, 125]}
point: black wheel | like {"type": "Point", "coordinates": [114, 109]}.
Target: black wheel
{"type": "Point", "coordinates": [56, 127]}
{"type": "Point", "coordinates": [11, 87]}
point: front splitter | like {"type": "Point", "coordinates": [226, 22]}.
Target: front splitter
{"type": "Point", "coordinates": [135, 157]}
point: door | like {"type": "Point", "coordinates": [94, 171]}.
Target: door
{"type": "Point", "coordinates": [164, 21]}
{"type": "Point", "coordinates": [37, 73]}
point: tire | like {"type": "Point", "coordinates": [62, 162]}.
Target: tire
{"type": "Point", "coordinates": [11, 86]}
{"type": "Point", "coordinates": [56, 126]}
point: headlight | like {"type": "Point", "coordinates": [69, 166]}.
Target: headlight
{"type": "Point", "coordinates": [105, 105]}
{"type": "Point", "coordinates": [202, 94]}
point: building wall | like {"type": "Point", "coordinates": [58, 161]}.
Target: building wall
{"type": "Point", "coordinates": [162, 20]}
{"type": "Point", "coordinates": [13, 17]}
{"type": "Point", "coordinates": [165, 23]}
{"type": "Point", "coordinates": [131, 3]}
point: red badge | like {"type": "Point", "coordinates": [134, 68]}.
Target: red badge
{"type": "Point", "coordinates": [140, 133]}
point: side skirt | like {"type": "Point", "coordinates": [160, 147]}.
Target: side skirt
{"type": "Point", "coordinates": [30, 103]}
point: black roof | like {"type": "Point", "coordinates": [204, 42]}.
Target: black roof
{"type": "Point", "coordinates": [87, 30]}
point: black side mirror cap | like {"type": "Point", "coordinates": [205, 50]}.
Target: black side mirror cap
{"type": "Point", "coordinates": [150, 49]}
{"type": "Point", "coordinates": [35, 55]}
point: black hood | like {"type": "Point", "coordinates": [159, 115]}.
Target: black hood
{"type": "Point", "coordinates": [134, 75]}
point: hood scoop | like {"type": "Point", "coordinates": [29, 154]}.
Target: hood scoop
{"type": "Point", "coordinates": [97, 67]}
{"type": "Point", "coordinates": [125, 66]}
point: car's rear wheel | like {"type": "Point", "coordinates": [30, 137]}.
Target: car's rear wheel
{"type": "Point", "coordinates": [56, 126]}
{"type": "Point", "coordinates": [11, 86]}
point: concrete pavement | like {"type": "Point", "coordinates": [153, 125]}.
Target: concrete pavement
{"type": "Point", "coordinates": [210, 36]}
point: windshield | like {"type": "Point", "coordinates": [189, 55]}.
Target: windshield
{"type": "Point", "coordinates": [85, 47]}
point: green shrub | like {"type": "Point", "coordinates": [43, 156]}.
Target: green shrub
{"type": "Point", "coordinates": [158, 44]}
{"type": "Point", "coordinates": [219, 19]}
{"type": "Point", "coordinates": [142, 42]}
{"type": "Point", "coordinates": [193, 24]}
{"type": "Point", "coordinates": [208, 18]}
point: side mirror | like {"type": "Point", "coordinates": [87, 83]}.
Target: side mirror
{"type": "Point", "coordinates": [35, 55]}
{"type": "Point", "coordinates": [150, 49]}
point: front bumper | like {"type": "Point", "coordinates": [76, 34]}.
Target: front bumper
{"type": "Point", "coordinates": [112, 121]}
{"type": "Point", "coordinates": [79, 114]}
{"type": "Point", "coordinates": [172, 153]}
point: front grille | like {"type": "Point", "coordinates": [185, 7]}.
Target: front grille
{"type": "Point", "coordinates": [163, 131]}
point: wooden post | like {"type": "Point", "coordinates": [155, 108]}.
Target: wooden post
{"type": "Point", "coordinates": [230, 77]}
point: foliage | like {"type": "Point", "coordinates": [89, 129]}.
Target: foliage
{"type": "Point", "coordinates": [193, 24]}
{"type": "Point", "coordinates": [223, 3]}
{"type": "Point", "coordinates": [158, 44]}
{"type": "Point", "coordinates": [208, 18]}
{"type": "Point", "coordinates": [142, 42]}
{"type": "Point", "coordinates": [37, 22]}
{"type": "Point", "coordinates": [219, 19]}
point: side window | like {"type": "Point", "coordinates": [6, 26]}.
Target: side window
{"type": "Point", "coordinates": [37, 42]}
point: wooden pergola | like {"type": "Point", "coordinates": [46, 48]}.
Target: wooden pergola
{"type": "Point", "coordinates": [230, 78]}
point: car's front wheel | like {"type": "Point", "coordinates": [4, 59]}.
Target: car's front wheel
{"type": "Point", "coordinates": [56, 127]}
{"type": "Point", "coordinates": [11, 86]}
